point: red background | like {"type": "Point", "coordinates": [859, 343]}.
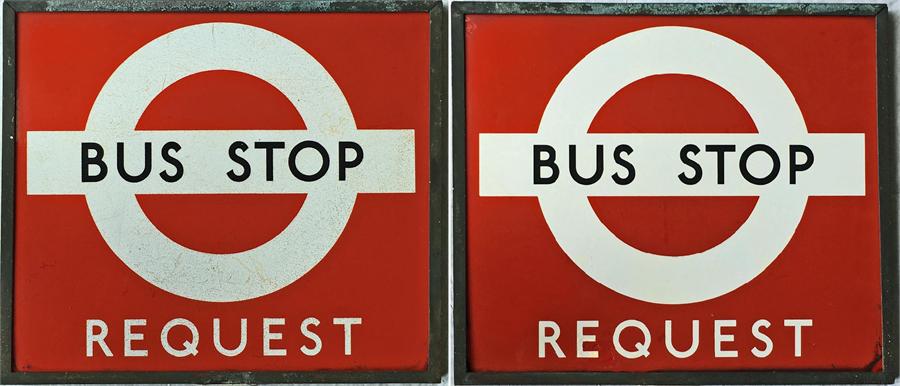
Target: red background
{"type": "Point", "coordinates": [378, 269]}
{"type": "Point", "coordinates": [518, 275]}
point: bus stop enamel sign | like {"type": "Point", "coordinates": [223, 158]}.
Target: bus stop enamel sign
{"type": "Point", "coordinates": [676, 198]}
{"type": "Point", "coordinates": [202, 195]}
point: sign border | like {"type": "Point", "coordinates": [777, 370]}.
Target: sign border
{"type": "Point", "coordinates": [438, 194]}
{"type": "Point", "coordinates": [887, 174]}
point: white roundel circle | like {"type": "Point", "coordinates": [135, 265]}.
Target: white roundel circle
{"type": "Point", "coordinates": [235, 276]}
{"type": "Point", "coordinates": [658, 278]}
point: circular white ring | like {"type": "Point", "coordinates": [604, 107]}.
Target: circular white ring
{"type": "Point", "coordinates": [658, 278]}
{"type": "Point", "coordinates": [312, 232]}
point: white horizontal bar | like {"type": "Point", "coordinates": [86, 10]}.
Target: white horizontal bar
{"type": "Point", "coordinates": [506, 165]}
{"type": "Point", "coordinates": [54, 162]}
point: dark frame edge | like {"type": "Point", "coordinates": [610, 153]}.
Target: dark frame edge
{"type": "Point", "coordinates": [888, 188]}
{"type": "Point", "coordinates": [7, 190]}
{"type": "Point", "coordinates": [212, 6]}
{"type": "Point", "coordinates": [888, 181]}
{"type": "Point", "coordinates": [669, 9]}
{"type": "Point", "coordinates": [438, 276]}
{"type": "Point", "coordinates": [460, 226]}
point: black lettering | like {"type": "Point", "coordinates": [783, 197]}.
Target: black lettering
{"type": "Point", "coordinates": [698, 171]}
{"type": "Point", "coordinates": [292, 161]}
{"type": "Point", "coordinates": [776, 164]}
{"type": "Point", "coordinates": [87, 160]}
{"type": "Point", "coordinates": [232, 153]}
{"type": "Point", "coordinates": [550, 162]}
{"type": "Point", "coordinates": [598, 170]}
{"type": "Point", "coordinates": [270, 150]}
{"type": "Point", "coordinates": [720, 151]}
{"type": "Point", "coordinates": [617, 156]}
{"type": "Point", "coordinates": [120, 162]}
{"type": "Point", "coordinates": [343, 163]}
{"type": "Point", "coordinates": [179, 168]}
{"type": "Point", "coordinates": [795, 167]}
